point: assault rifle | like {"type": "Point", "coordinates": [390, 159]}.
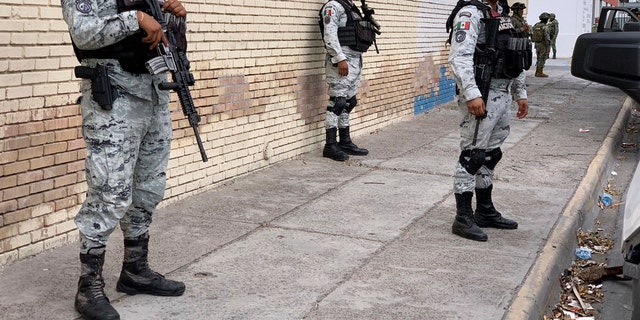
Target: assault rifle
{"type": "Point", "coordinates": [483, 66]}
{"type": "Point", "coordinates": [175, 61]}
{"type": "Point", "coordinates": [368, 16]}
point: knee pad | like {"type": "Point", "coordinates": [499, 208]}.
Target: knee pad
{"type": "Point", "coordinates": [339, 105]}
{"type": "Point", "coordinates": [351, 103]}
{"type": "Point", "coordinates": [494, 157]}
{"type": "Point", "coordinates": [472, 160]}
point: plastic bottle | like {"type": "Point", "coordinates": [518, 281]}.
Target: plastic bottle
{"type": "Point", "coordinates": [583, 253]}
{"type": "Point", "coordinates": [606, 199]}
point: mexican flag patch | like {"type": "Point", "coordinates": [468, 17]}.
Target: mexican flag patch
{"type": "Point", "coordinates": [328, 11]}
{"type": "Point", "coordinates": [463, 25]}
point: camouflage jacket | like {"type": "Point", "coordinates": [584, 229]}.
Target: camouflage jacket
{"type": "Point", "coordinates": [334, 16]}
{"type": "Point", "coordinates": [94, 24]}
{"type": "Point", "coordinates": [469, 31]}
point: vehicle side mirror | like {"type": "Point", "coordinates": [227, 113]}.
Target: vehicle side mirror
{"type": "Point", "coordinates": [611, 58]}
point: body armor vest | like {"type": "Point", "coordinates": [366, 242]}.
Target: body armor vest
{"type": "Point", "coordinates": [514, 51]}
{"type": "Point", "coordinates": [358, 34]}
{"type": "Point", "coordinates": [131, 52]}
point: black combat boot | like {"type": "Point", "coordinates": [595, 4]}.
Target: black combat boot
{"type": "Point", "coordinates": [348, 146]}
{"type": "Point", "coordinates": [486, 214]}
{"type": "Point", "coordinates": [464, 224]}
{"type": "Point", "coordinates": [136, 276]}
{"type": "Point", "coordinates": [331, 149]}
{"type": "Point", "coordinates": [91, 302]}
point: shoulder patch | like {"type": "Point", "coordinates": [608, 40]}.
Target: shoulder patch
{"type": "Point", "coordinates": [465, 14]}
{"type": "Point", "coordinates": [328, 10]}
{"type": "Point", "coordinates": [460, 36]}
{"type": "Point", "coordinates": [83, 6]}
{"type": "Point", "coordinates": [463, 25]}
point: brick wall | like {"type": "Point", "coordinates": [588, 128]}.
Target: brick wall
{"type": "Point", "coordinates": [259, 88]}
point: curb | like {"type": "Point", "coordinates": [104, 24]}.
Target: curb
{"type": "Point", "coordinates": [541, 285]}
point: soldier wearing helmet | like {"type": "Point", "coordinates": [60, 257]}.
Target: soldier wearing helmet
{"type": "Point", "coordinates": [519, 22]}
{"type": "Point", "coordinates": [554, 29]}
{"type": "Point", "coordinates": [540, 35]}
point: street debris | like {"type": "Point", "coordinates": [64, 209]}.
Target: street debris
{"type": "Point", "coordinates": [605, 200]}
{"type": "Point", "coordinates": [628, 145]}
{"type": "Point", "coordinates": [583, 253]}
{"type": "Point", "coordinates": [581, 130]}
{"type": "Point", "coordinates": [581, 282]}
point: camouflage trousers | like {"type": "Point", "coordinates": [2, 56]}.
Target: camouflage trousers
{"type": "Point", "coordinates": [542, 54]}
{"type": "Point", "coordinates": [127, 155]}
{"type": "Point", "coordinates": [492, 132]}
{"type": "Point", "coordinates": [340, 86]}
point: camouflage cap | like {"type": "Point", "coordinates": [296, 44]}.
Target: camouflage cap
{"type": "Point", "coordinates": [544, 15]}
{"type": "Point", "coordinates": [552, 15]}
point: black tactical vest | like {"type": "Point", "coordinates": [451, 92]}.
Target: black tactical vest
{"type": "Point", "coordinates": [357, 34]}
{"type": "Point", "coordinates": [514, 51]}
{"type": "Point", "coordinates": [131, 52]}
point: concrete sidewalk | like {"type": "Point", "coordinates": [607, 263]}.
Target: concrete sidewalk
{"type": "Point", "coordinates": [370, 238]}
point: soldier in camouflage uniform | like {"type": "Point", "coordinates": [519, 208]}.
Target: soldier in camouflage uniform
{"type": "Point", "coordinates": [476, 163]}
{"type": "Point", "coordinates": [519, 22]}
{"type": "Point", "coordinates": [343, 66]}
{"type": "Point", "coordinates": [128, 142]}
{"type": "Point", "coordinates": [554, 29]}
{"type": "Point", "coordinates": [544, 46]}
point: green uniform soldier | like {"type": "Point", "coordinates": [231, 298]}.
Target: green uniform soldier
{"type": "Point", "coordinates": [518, 21]}
{"type": "Point", "coordinates": [554, 29]}
{"type": "Point", "coordinates": [542, 38]}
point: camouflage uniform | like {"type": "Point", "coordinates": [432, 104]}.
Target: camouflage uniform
{"type": "Point", "coordinates": [128, 146]}
{"type": "Point", "coordinates": [554, 29]}
{"type": "Point", "coordinates": [494, 129]}
{"type": "Point", "coordinates": [519, 22]}
{"type": "Point", "coordinates": [542, 47]}
{"type": "Point", "coordinates": [127, 152]}
{"type": "Point", "coordinates": [468, 32]}
{"type": "Point", "coordinates": [334, 15]}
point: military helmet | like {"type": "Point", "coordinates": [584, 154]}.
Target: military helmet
{"type": "Point", "coordinates": [544, 15]}
{"type": "Point", "coordinates": [518, 6]}
{"type": "Point", "coordinates": [552, 15]}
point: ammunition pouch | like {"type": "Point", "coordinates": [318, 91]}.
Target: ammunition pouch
{"type": "Point", "coordinates": [359, 35]}
{"type": "Point", "coordinates": [518, 56]}
{"type": "Point", "coordinates": [514, 55]}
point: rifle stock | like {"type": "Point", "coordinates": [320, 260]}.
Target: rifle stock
{"type": "Point", "coordinates": [175, 61]}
